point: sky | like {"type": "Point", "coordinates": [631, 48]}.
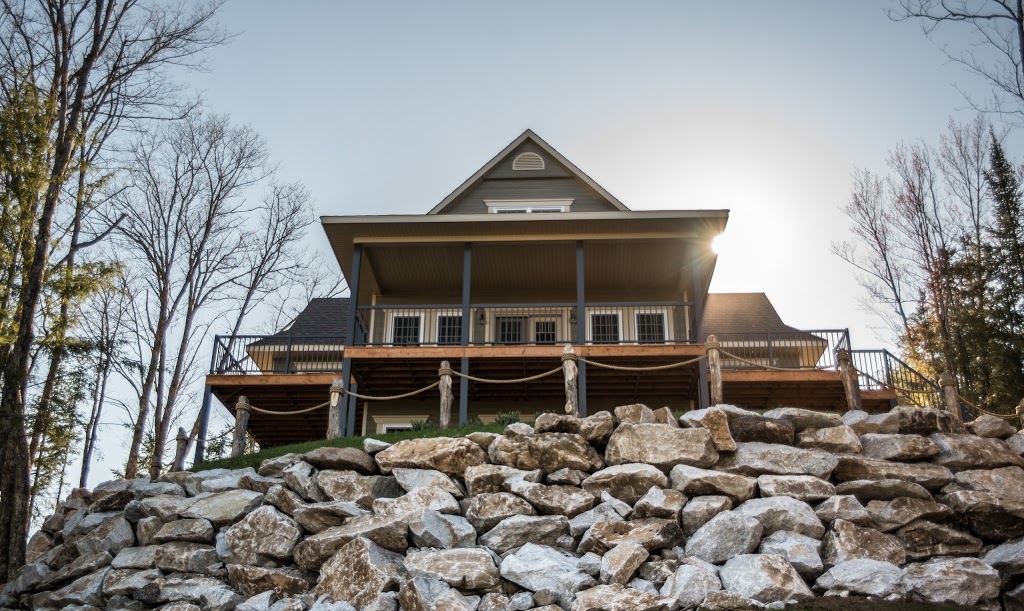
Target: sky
{"type": "Point", "coordinates": [763, 108]}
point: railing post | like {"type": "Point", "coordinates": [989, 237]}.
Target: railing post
{"type": "Point", "coordinates": [242, 411]}
{"type": "Point", "coordinates": [334, 417]}
{"type": "Point", "coordinates": [571, 374]}
{"type": "Point", "coordinates": [204, 425]}
{"type": "Point", "coordinates": [948, 384]}
{"type": "Point", "coordinates": [850, 383]}
{"type": "Point", "coordinates": [447, 398]}
{"type": "Point", "coordinates": [715, 363]}
{"type": "Point", "coordinates": [288, 356]}
{"type": "Point", "coordinates": [888, 375]}
{"type": "Point", "coordinates": [771, 351]}
{"type": "Point", "coordinates": [179, 451]}
{"type": "Point", "coordinates": [213, 357]}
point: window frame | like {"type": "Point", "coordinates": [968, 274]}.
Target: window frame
{"type": "Point", "coordinates": [437, 326]}
{"type": "Point", "coordinates": [663, 312]}
{"type": "Point", "coordinates": [617, 313]}
{"type": "Point", "coordinates": [392, 316]}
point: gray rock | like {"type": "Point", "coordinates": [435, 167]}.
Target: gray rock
{"type": "Point", "coordinates": [664, 415]}
{"type": "Point", "coordinates": [590, 563]}
{"type": "Point", "coordinates": [616, 597]}
{"type": "Point", "coordinates": [484, 511]}
{"type": "Point", "coordinates": [716, 422]}
{"type": "Point", "coordinates": [637, 413]}
{"type": "Point", "coordinates": [550, 422]}
{"type": "Point", "coordinates": [81, 566]}
{"type": "Point", "coordinates": [764, 577]}
{"type": "Point", "coordinates": [852, 468]}
{"type": "Point", "coordinates": [597, 428]}
{"type": "Point", "coordinates": [372, 446]}
{"type": "Point", "coordinates": [836, 439]}
{"type": "Point", "coordinates": [28, 578]}
{"type": "Point", "coordinates": [449, 455]}
{"type": "Point", "coordinates": [265, 533]}
{"type": "Point", "coordinates": [217, 480]}
{"type": "Point", "coordinates": [468, 569]}
{"type": "Point", "coordinates": [694, 481]}
{"type": "Point", "coordinates": [136, 558]}
{"type": "Point", "coordinates": [359, 572]}
{"type": "Point", "coordinates": [689, 585]}
{"type": "Point", "coordinates": [1004, 481]}
{"type": "Point", "coordinates": [864, 577]}
{"type": "Point", "coordinates": [847, 541]}
{"type": "Point", "coordinates": [301, 478]}
{"type": "Point", "coordinates": [283, 499]}
{"type": "Point", "coordinates": [317, 517]}
{"type": "Point", "coordinates": [184, 557]}
{"type": "Point", "coordinates": [516, 531]}
{"type": "Point", "coordinates": [86, 590]}
{"type": "Point", "coordinates": [699, 510]}
{"type": "Point", "coordinates": [620, 563]}
{"type": "Point", "coordinates": [536, 567]}
{"type": "Point", "coordinates": [783, 513]}
{"type": "Point", "coordinates": [432, 529]}
{"type": "Point", "coordinates": [891, 515]}
{"type": "Point", "coordinates": [923, 540]}
{"type": "Point", "coordinates": [568, 501]}
{"type": "Point", "coordinates": [963, 582]}
{"type": "Point", "coordinates": [389, 532]}
{"type": "Point", "coordinates": [843, 507]}
{"type": "Point", "coordinates": [224, 508]}
{"type": "Point", "coordinates": [485, 479]}
{"type": "Point", "coordinates": [898, 447]}
{"type": "Point", "coordinates": [437, 499]}
{"type": "Point", "coordinates": [146, 529]}
{"type": "Point", "coordinates": [652, 533]}
{"type": "Point", "coordinates": [341, 459]}
{"type": "Point", "coordinates": [260, 602]}
{"type": "Point", "coordinates": [864, 423]}
{"type": "Point", "coordinates": [500, 602]}
{"type": "Point", "coordinates": [758, 429]}
{"type": "Point", "coordinates": [805, 488]}
{"type": "Point", "coordinates": [963, 452]}
{"type": "Point", "coordinates": [660, 503]}
{"type": "Point", "coordinates": [882, 490]}
{"type": "Point", "coordinates": [284, 582]}
{"type": "Point", "coordinates": [626, 482]}
{"type": "Point", "coordinates": [765, 458]}
{"type": "Point", "coordinates": [801, 551]}
{"type": "Point", "coordinates": [990, 516]}
{"type": "Point", "coordinates": [661, 446]}
{"type": "Point", "coordinates": [548, 452]}
{"type": "Point", "coordinates": [1008, 559]}
{"type": "Point", "coordinates": [197, 530]}
{"type": "Point", "coordinates": [111, 536]}
{"type": "Point", "coordinates": [726, 535]}
{"type": "Point", "coordinates": [804, 418]}
{"type": "Point", "coordinates": [482, 439]}
{"type": "Point", "coordinates": [259, 483]}
{"type": "Point", "coordinates": [518, 428]}
{"type": "Point", "coordinates": [926, 420]}
{"type": "Point", "coordinates": [729, 601]}
{"type": "Point", "coordinates": [125, 582]}
{"type": "Point", "coordinates": [566, 477]}
{"type": "Point", "coordinates": [211, 593]}
{"type": "Point", "coordinates": [1016, 443]}
{"type": "Point", "coordinates": [621, 507]}
{"type": "Point", "coordinates": [362, 490]}
{"type": "Point", "coordinates": [413, 479]}
{"type": "Point", "coordinates": [602, 513]}
{"type": "Point", "coordinates": [165, 506]}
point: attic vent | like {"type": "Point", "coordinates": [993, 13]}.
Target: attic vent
{"type": "Point", "coordinates": [528, 161]}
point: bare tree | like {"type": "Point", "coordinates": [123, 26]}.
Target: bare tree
{"type": "Point", "coordinates": [995, 51]}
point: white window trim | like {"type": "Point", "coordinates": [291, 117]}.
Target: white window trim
{"type": "Point", "coordinates": [381, 423]}
{"type": "Point", "coordinates": [652, 310]}
{"type": "Point", "coordinates": [437, 325]}
{"type": "Point", "coordinates": [392, 315]}
{"type": "Point", "coordinates": [527, 206]}
{"type": "Point", "coordinates": [560, 316]}
{"type": "Point", "coordinates": [617, 312]}
{"type": "Point", "coordinates": [544, 318]}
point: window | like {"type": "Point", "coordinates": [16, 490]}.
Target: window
{"type": "Point", "coordinates": [545, 331]}
{"type": "Point", "coordinates": [528, 210]}
{"type": "Point", "coordinates": [604, 328]}
{"type": "Point", "coordinates": [528, 161]}
{"type": "Point", "coordinates": [396, 428]}
{"type": "Point", "coordinates": [449, 329]}
{"type": "Point", "coordinates": [528, 206]}
{"type": "Point", "coordinates": [650, 327]}
{"type": "Point", "coordinates": [405, 330]}
{"type": "Point", "coordinates": [509, 329]}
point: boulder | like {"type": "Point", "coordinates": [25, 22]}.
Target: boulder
{"type": "Point", "coordinates": [764, 577]}
{"type": "Point", "coordinates": [1016, 443]}
{"type": "Point", "coordinates": [664, 415]}
{"type": "Point", "coordinates": [1004, 481]}
{"type": "Point", "coordinates": [265, 533]}
{"type": "Point", "coordinates": [963, 452]}
{"type": "Point", "coordinates": [215, 480]}
{"type": "Point", "coordinates": [923, 539]}
{"type": "Point", "coordinates": [438, 499]}
{"type": "Point", "coordinates": [726, 535]}
{"type": "Point", "coordinates": [847, 541]}
{"type": "Point", "coordinates": [660, 503]}
{"type": "Point", "coordinates": [86, 590]}
{"type": "Point", "coordinates": [660, 446]}
{"type": "Point", "coordinates": [359, 572]}
{"type": "Point", "coordinates": [484, 511]}
{"type": "Point", "coordinates": [728, 601]}
{"type": "Point", "coordinates": [449, 455]}
{"type": "Point", "coordinates": [783, 513]}
{"type": "Point", "coordinates": [224, 508]}
{"type": "Point", "coordinates": [548, 452]}
{"type": "Point", "coordinates": [341, 459]}
{"type": "Point", "coordinates": [616, 597]}
{"type": "Point", "coordinates": [597, 428]}
{"type": "Point", "coordinates": [538, 568]}
{"type": "Point", "coordinates": [837, 439]}
{"type": "Point", "coordinates": [716, 421]}
{"type": "Point", "coordinates": [626, 482]}
{"type": "Point", "coordinates": [111, 536]}
{"type": "Point", "coordinates": [894, 514]}
{"type": "Point", "coordinates": [251, 580]}
{"type": "Point", "coordinates": [468, 569]}
{"type": "Point", "coordinates": [566, 477]}
{"type": "Point", "coordinates": [843, 507]}
{"type": "Point", "coordinates": [864, 423]}
{"type": "Point", "coordinates": [1013, 600]}
{"type": "Point", "coordinates": [554, 500]}
{"type": "Point", "coordinates": [652, 533]}
{"type": "Point", "coordinates": [274, 467]}
{"type": "Point", "coordinates": [146, 529]}
{"type": "Point", "coordinates": [135, 558]}
{"type": "Point", "coordinates": [620, 563]}
{"type": "Point", "coordinates": [694, 481]}
{"type": "Point", "coordinates": [167, 507]}
{"type": "Point", "coordinates": [483, 439]}
{"type": "Point", "coordinates": [432, 529]}
{"type": "Point", "coordinates": [389, 532]}
{"type": "Point", "coordinates": [805, 488]}
{"type": "Point", "coordinates": [801, 551]}
{"type": "Point", "coordinates": [1008, 559]}
{"type": "Point", "coordinates": [259, 483]}
{"type": "Point", "coordinates": [637, 413]}
{"type": "Point", "coordinates": [124, 582]}
{"type": "Point", "coordinates": [362, 490]}
{"type": "Point", "coordinates": [805, 418]}
{"type": "Point", "coordinates": [863, 577]}
{"type": "Point", "coordinates": [283, 499]}
{"type": "Point", "coordinates": [28, 578]}
{"type": "Point", "coordinates": [699, 510]}
{"type": "Point", "coordinates": [210, 592]}
{"type": "Point", "coordinates": [184, 557]}
{"type": "Point", "coordinates": [963, 582]}
{"type": "Point", "coordinates": [301, 478]}
{"type": "Point", "coordinates": [926, 420]}
{"type": "Point", "coordinates": [197, 530]}
{"type": "Point", "coordinates": [767, 458]}
{"type": "Point", "coordinates": [372, 446]}
{"type": "Point", "coordinates": [688, 586]}
{"type": "Point", "coordinates": [851, 468]}
{"type": "Point", "coordinates": [316, 517]}
{"type": "Point", "coordinates": [550, 422]}
{"type": "Point", "coordinates": [621, 507]}
{"type": "Point", "coordinates": [898, 447]}
{"type": "Point", "coordinates": [604, 512]}
{"type": "Point", "coordinates": [989, 516]}
{"type": "Point", "coordinates": [517, 531]}
{"type": "Point", "coordinates": [882, 490]}
{"type": "Point", "coordinates": [413, 479]}
{"type": "Point", "coordinates": [81, 566]}
{"type": "Point", "coordinates": [758, 429]}
{"type": "Point", "coordinates": [484, 479]}
{"type": "Point", "coordinates": [421, 593]}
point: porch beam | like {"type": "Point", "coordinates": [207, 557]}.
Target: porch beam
{"type": "Point", "coordinates": [350, 340]}
{"type": "Point", "coordinates": [581, 324]}
{"type": "Point", "coordinates": [703, 400]}
{"type": "Point", "coordinates": [204, 425]}
{"type": "Point", "coordinates": [536, 237]}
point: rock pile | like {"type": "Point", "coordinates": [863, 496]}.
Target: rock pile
{"type": "Point", "coordinates": [721, 509]}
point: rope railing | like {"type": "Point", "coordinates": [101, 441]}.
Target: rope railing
{"type": "Point", "coordinates": [736, 357]}
{"type": "Point", "coordinates": [639, 369]}
{"type": "Point", "coordinates": [985, 411]}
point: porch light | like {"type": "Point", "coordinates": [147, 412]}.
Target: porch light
{"type": "Point", "coordinates": [482, 317]}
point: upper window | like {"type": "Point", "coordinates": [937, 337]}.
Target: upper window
{"type": "Point", "coordinates": [449, 329]}
{"type": "Point", "coordinates": [405, 330]}
{"type": "Point", "coordinates": [528, 161]}
{"type": "Point", "coordinates": [650, 327]}
{"type": "Point", "coordinates": [604, 328]}
{"type": "Point", "coordinates": [529, 206]}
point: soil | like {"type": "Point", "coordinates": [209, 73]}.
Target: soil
{"type": "Point", "coordinates": [863, 604]}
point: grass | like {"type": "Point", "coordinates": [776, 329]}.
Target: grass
{"type": "Point", "coordinates": [254, 460]}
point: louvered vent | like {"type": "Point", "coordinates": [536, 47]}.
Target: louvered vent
{"type": "Point", "coordinates": [528, 161]}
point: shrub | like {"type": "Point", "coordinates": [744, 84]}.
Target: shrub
{"type": "Point", "coordinates": [506, 418]}
{"type": "Point", "coordinates": [420, 425]}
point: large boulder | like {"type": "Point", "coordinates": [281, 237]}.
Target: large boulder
{"type": "Point", "coordinates": [805, 418]}
{"type": "Point", "coordinates": [847, 541]}
{"type": "Point", "coordinates": [783, 513]}
{"type": "Point", "coordinates": [801, 551]}
{"type": "Point", "coordinates": [483, 479]}
{"type": "Point", "coordinates": [1004, 481]}
{"type": "Point", "coordinates": [926, 420]}
{"type": "Point", "coordinates": [184, 557]}
{"type": "Point", "coordinates": [316, 517]}
{"type": "Point", "coordinates": [224, 508]}
{"type": "Point", "coordinates": [863, 577]}
{"type": "Point", "coordinates": [554, 500]}
{"type": "Point", "coordinates": [963, 582]}
{"type": "Point", "coordinates": [726, 535]}
{"type": "Point", "coordinates": [690, 584]}
{"type": "Point", "coordinates": [699, 510]}
{"type": "Point", "coordinates": [432, 529]}
{"type": "Point", "coordinates": [882, 489]}
{"type": "Point", "coordinates": [548, 452]}
{"type": "Point", "coordinates": [864, 423]}
{"type": "Point", "coordinates": [301, 478]}
{"type": "Point", "coordinates": [362, 490]}
{"type": "Point", "coordinates": [660, 503]}
{"type": "Point", "coordinates": [766, 578]}
{"type": "Point", "coordinates": [843, 507]}
{"type": "Point", "coordinates": [894, 514]}
{"type": "Point", "coordinates": [637, 413]}
{"type": "Point", "coordinates": [760, 458]}
{"type": "Point", "coordinates": [898, 447]}
{"type": "Point", "coordinates": [616, 597]}
{"type": "Point", "coordinates": [341, 459]}
{"type": "Point", "coordinates": [449, 455]}
{"type": "Point", "coordinates": [414, 479]}
{"type": "Point", "coordinates": [753, 428]}
{"type": "Point", "coordinates": [661, 446]}
{"type": "Point", "coordinates": [850, 468]}
{"type": "Point", "coordinates": [805, 488]}
{"type": "Point", "coordinates": [86, 590]}
{"type": "Point", "coordinates": [695, 481]}
{"type": "Point", "coordinates": [1008, 559]}
{"type": "Point", "coordinates": [419, 499]}
{"type": "Point", "coordinates": [389, 532]}
{"type": "Point", "coordinates": [468, 569]}
{"type": "Point", "coordinates": [359, 572]}
{"type": "Point", "coordinates": [597, 428]}
{"type": "Point", "coordinates": [539, 567]}
{"type": "Point", "coordinates": [923, 539]}
{"type": "Point", "coordinates": [987, 425]}
{"type": "Point", "coordinates": [626, 482]}
{"type": "Point", "coordinates": [517, 531]}
{"type": "Point", "coordinates": [990, 516]}
{"type": "Point", "coordinates": [263, 534]}
{"type": "Point", "coordinates": [484, 511]}
{"type": "Point", "coordinates": [620, 562]}
{"type": "Point", "coordinates": [716, 421]}
{"type": "Point", "coordinates": [251, 580]}
{"type": "Point", "coordinates": [837, 439]}
{"type": "Point", "coordinates": [652, 533]}
{"type": "Point", "coordinates": [605, 512]}
{"type": "Point", "coordinates": [963, 452]}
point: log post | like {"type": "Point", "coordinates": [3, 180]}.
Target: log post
{"type": "Point", "coordinates": [849, 376]}
{"type": "Point", "coordinates": [334, 419]}
{"type": "Point", "coordinates": [179, 451]}
{"type": "Point", "coordinates": [1020, 414]}
{"type": "Point", "coordinates": [948, 384]}
{"type": "Point", "coordinates": [715, 364]}
{"type": "Point", "coordinates": [242, 411]}
{"type": "Point", "coordinates": [571, 374]}
{"type": "Point", "coordinates": [447, 398]}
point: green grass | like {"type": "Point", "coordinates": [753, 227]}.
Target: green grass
{"type": "Point", "coordinates": [254, 460]}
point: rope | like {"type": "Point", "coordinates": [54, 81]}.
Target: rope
{"type": "Point", "coordinates": [985, 411]}
{"type": "Point", "coordinates": [394, 397]}
{"type": "Point", "coordinates": [301, 411]}
{"type": "Point", "coordinates": [651, 368]}
{"type": "Point", "coordinates": [494, 381]}
{"type": "Point", "coordinates": [768, 367]}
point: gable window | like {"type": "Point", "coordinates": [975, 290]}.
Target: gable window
{"type": "Point", "coordinates": [405, 330]}
{"type": "Point", "coordinates": [604, 328]}
{"type": "Point", "coordinates": [528, 161]}
{"type": "Point", "coordinates": [650, 327]}
{"type": "Point", "coordinates": [528, 206]}
{"type": "Point", "coordinates": [449, 329]}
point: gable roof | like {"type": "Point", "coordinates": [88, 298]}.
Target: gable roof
{"type": "Point", "coordinates": [323, 320]}
{"type": "Point", "coordinates": [732, 313]}
{"type": "Point", "coordinates": [505, 152]}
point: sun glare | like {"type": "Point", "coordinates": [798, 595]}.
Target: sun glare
{"type": "Point", "coordinates": [716, 244]}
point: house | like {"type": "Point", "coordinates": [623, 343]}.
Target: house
{"type": "Point", "coordinates": [525, 256]}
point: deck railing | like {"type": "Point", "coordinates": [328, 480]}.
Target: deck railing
{"type": "Point", "coordinates": [282, 353]}
{"type": "Point", "coordinates": [881, 370]}
{"type": "Point", "coordinates": [789, 349]}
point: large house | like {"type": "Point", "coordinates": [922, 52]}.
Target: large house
{"type": "Point", "coordinates": [525, 256]}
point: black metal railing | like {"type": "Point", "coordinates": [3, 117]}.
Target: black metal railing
{"type": "Point", "coordinates": [281, 353]}
{"type": "Point", "coordinates": [516, 324]}
{"type": "Point", "coordinates": [882, 370]}
{"type": "Point", "coordinates": [789, 349]}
